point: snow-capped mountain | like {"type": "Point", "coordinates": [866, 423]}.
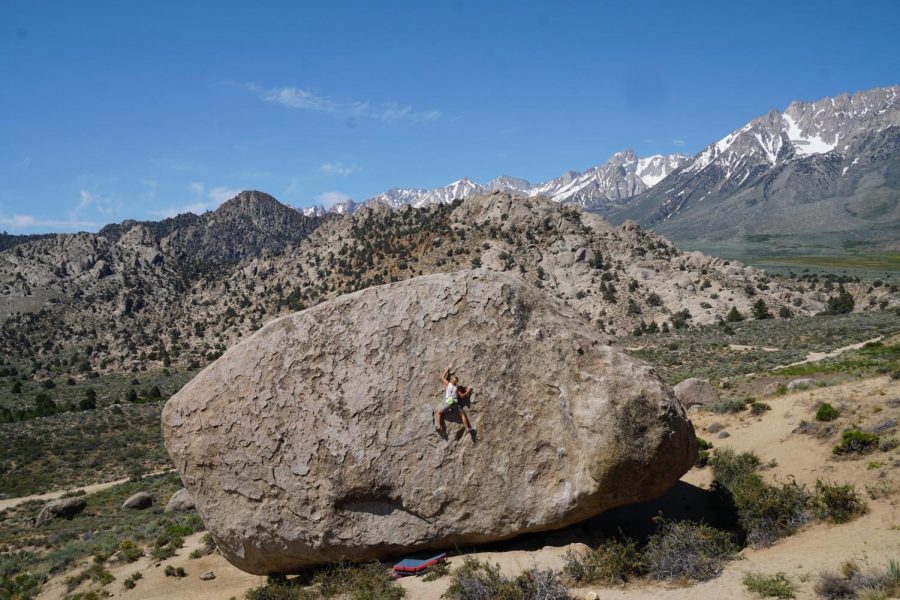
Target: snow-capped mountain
{"type": "Point", "coordinates": [803, 167]}
{"type": "Point", "coordinates": [599, 188]}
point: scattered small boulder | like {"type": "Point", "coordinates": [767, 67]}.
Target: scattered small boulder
{"type": "Point", "coordinates": [801, 384]}
{"type": "Point", "coordinates": [772, 389]}
{"type": "Point", "coordinates": [208, 576]}
{"type": "Point", "coordinates": [696, 392]}
{"type": "Point", "coordinates": [723, 434]}
{"type": "Point", "coordinates": [139, 501]}
{"type": "Point", "coordinates": [64, 508]}
{"type": "Point", "coordinates": [180, 500]}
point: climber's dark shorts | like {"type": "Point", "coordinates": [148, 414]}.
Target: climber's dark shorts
{"type": "Point", "coordinates": [448, 408]}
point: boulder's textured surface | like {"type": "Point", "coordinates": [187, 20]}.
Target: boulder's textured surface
{"type": "Point", "coordinates": [312, 441]}
{"type": "Point", "coordinates": [180, 500]}
{"type": "Point", "coordinates": [64, 508]}
{"type": "Point", "coordinates": [696, 392]}
{"type": "Point", "coordinates": [138, 501]}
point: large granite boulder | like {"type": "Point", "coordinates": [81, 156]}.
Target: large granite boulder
{"type": "Point", "coordinates": [180, 500]}
{"type": "Point", "coordinates": [312, 441]}
{"type": "Point", "coordinates": [138, 501]}
{"type": "Point", "coordinates": [696, 392]}
{"type": "Point", "coordinates": [64, 508]}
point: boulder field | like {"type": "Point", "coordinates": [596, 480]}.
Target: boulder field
{"type": "Point", "coordinates": [312, 441]}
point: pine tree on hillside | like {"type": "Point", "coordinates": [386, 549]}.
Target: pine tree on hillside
{"type": "Point", "coordinates": [760, 310]}
{"type": "Point", "coordinates": [734, 315]}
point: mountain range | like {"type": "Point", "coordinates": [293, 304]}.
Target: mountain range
{"type": "Point", "coordinates": [825, 167]}
{"type": "Point", "coordinates": [601, 188]}
{"type": "Point", "coordinates": [829, 167]}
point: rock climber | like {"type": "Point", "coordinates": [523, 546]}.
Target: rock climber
{"type": "Point", "coordinates": [453, 394]}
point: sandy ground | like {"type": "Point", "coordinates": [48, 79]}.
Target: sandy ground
{"type": "Point", "coordinates": [870, 540]}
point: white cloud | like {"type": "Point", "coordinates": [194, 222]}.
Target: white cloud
{"type": "Point", "coordinates": [204, 201]}
{"type": "Point", "coordinates": [196, 188]}
{"type": "Point", "coordinates": [332, 198]}
{"type": "Point", "coordinates": [678, 142]}
{"type": "Point", "coordinates": [92, 201]}
{"type": "Point", "coordinates": [338, 168]}
{"type": "Point", "coordinates": [30, 222]}
{"type": "Point", "coordinates": [300, 99]}
{"type": "Point", "coordinates": [221, 194]}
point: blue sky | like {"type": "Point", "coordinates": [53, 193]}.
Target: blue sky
{"type": "Point", "coordinates": [115, 110]}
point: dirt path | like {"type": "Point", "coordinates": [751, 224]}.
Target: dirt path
{"type": "Point", "coordinates": [817, 356]}
{"type": "Point", "coordinates": [88, 489]}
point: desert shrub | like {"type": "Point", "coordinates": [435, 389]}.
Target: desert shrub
{"type": "Point", "coordinates": [853, 583]}
{"type": "Point", "coordinates": [129, 551]}
{"type": "Point", "coordinates": [370, 581]}
{"type": "Point", "coordinates": [477, 580]}
{"type": "Point", "coordinates": [436, 571]}
{"type": "Point", "coordinates": [20, 586]}
{"type": "Point", "coordinates": [682, 549]}
{"type": "Point", "coordinates": [612, 562]}
{"type": "Point", "coordinates": [733, 405]}
{"type": "Point", "coordinates": [770, 586]}
{"type": "Point", "coordinates": [827, 412]}
{"type": "Point", "coordinates": [278, 588]}
{"type": "Point", "coordinates": [833, 586]}
{"type": "Point", "coordinates": [854, 441]}
{"type": "Point", "coordinates": [837, 503]}
{"type": "Point", "coordinates": [171, 571]}
{"type": "Point", "coordinates": [165, 547]}
{"type": "Point", "coordinates": [703, 452]}
{"type": "Point", "coordinates": [888, 444]}
{"type": "Point", "coordinates": [132, 580]}
{"type": "Point", "coordinates": [96, 572]}
{"type": "Point", "coordinates": [766, 513]}
{"type": "Point", "coordinates": [758, 408]}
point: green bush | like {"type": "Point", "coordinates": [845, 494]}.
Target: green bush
{"type": "Point", "coordinates": [683, 549]}
{"type": "Point", "coordinates": [827, 412]}
{"type": "Point", "coordinates": [758, 408]}
{"type": "Point", "coordinates": [733, 405]}
{"type": "Point", "coordinates": [132, 580]}
{"type": "Point", "coordinates": [171, 571]}
{"type": "Point", "coordinates": [612, 562]}
{"type": "Point", "coordinates": [703, 453]}
{"type": "Point", "coordinates": [766, 513]}
{"type": "Point", "coordinates": [129, 551]}
{"type": "Point", "coordinates": [838, 503]}
{"type": "Point", "coordinates": [770, 586]}
{"type": "Point", "coordinates": [854, 441]}
{"type": "Point", "coordinates": [21, 586]}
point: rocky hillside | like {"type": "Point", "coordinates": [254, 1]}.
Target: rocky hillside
{"type": "Point", "coordinates": [137, 293]}
{"type": "Point", "coordinates": [830, 166]}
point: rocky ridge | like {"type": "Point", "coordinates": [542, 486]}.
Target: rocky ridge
{"type": "Point", "coordinates": [127, 299]}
